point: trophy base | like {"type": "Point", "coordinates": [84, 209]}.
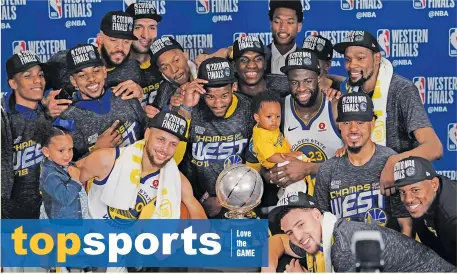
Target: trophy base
{"type": "Point", "coordinates": [236, 215]}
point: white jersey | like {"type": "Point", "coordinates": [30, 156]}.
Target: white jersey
{"type": "Point", "coordinates": [146, 194]}
{"type": "Point", "coordinates": [318, 139]}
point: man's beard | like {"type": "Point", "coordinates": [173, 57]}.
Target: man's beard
{"type": "Point", "coordinates": [362, 79]}
{"type": "Point", "coordinates": [107, 58]}
{"type": "Point", "coordinates": [311, 100]}
{"type": "Point", "coordinates": [355, 150]}
{"type": "Point", "coordinates": [153, 161]}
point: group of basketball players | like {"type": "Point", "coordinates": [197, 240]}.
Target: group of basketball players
{"type": "Point", "coordinates": [366, 137]}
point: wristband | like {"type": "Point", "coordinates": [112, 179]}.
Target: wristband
{"type": "Point", "coordinates": [186, 108]}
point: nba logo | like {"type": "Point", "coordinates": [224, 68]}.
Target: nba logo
{"type": "Point", "coordinates": [92, 41]}
{"type": "Point", "coordinates": [55, 9]}
{"type": "Point", "coordinates": [452, 137]}
{"type": "Point", "coordinates": [347, 4]}
{"type": "Point", "coordinates": [202, 6]}
{"type": "Point", "coordinates": [311, 33]}
{"type": "Point", "coordinates": [419, 4]}
{"type": "Point", "coordinates": [453, 42]}
{"type": "Point", "coordinates": [419, 82]}
{"type": "Point", "coordinates": [384, 41]}
{"type": "Point", "coordinates": [19, 46]}
{"type": "Point", "coordinates": [237, 35]}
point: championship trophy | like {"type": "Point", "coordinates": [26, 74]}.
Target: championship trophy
{"type": "Point", "coordinates": [239, 189]}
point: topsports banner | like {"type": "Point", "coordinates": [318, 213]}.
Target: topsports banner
{"type": "Point", "coordinates": [419, 37]}
{"type": "Point", "coordinates": [157, 243]}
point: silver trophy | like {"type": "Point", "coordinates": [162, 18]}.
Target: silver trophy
{"type": "Point", "coordinates": [239, 189]}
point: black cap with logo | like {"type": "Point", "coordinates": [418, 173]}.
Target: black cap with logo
{"type": "Point", "coordinates": [355, 106]}
{"type": "Point", "coordinates": [301, 59]}
{"type": "Point", "coordinates": [217, 71]}
{"type": "Point", "coordinates": [83, 56]}
{"type": "Point", "coordinates": [290, 200]}
{"type": "Point", "coordinates": [22, 61]}
{"type": "Point", "coordinates": [320, 45]}
{"type": "Point", "coordinates": [358, 38]}
{"type": "Point", "coordinates": [118, 24]}
{"type": "Point", "coordinates": [247, 43]}
{"type": "Point", "coordinates": [170, 122]}
{"type": "Point", "coordinates": [412, 170]}
{"type": "Point", "coordinates": [143, 10]}
{"type": "Point", "coordinates": [162, 45]}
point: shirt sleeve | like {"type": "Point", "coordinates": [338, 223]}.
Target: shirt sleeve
{"type": "Point", "coordinates": [321, 189]}
{"type": "Point", "coordinates": [64, 192]}
{"type": "Point", "coordinates": [264, 146]}
{"type": "Point", "coordinates": [412, 110]}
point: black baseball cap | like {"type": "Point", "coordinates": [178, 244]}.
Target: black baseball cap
{"type": "Point", "coordinates": [162, 45]}
{"type": "Point", "coordinates": [170, 122]}
{"type": "Point", "coordinates": [301, 59]}
{"type": "Point", "coordinates": [290, 200]}
{"type": "Point", "coordinates": [320, 45]}
{"type": "Point", "coordinates": [288, 4]}
{"type": "Point", "coordinates": [355, 106]}
{"type": "Point", "coordinates": [217, 71]}
{"type": "Point", "coordinates": [412, 170]}
{"type": "Point", "coordinates": [143, 10]}
{"type": "Point", "coordinates": [118, 24]}
{"type": "Point", "coordinates": [247, 43]}
{"type": "Point", "coordinates": [82, 56]}
{"type": "Point", "coordinates": [358, 38]}
{"type": "Point", "coordinates": [22, 61]}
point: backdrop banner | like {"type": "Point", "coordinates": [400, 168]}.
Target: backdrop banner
{"type": "Point", "coordinates": [419, 37]}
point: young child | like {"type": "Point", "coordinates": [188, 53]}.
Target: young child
{"type": "Point", "coordinates": [64, 196]}
{"type": "Point", "coordinates": [268, 143]}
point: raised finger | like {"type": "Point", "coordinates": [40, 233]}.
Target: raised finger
{"type": "Point", "coordinates": [117, 140]}
{"type": "Point", "coordinates": [112, 127]}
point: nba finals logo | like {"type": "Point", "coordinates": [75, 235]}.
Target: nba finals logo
{"type": "Point", "coordinates": [237, 35]}
{"type": "Point", "coordinates": [347, 4]}
{"type": "Point", "coordinates": [452, 137]}
{"type": "Point", "coordinates": [19, 46]}
{"type": "Point", "coordinates": [384, 41]}
{"type": "Point", "coordinates": [419, 4]}
{"type": "Point", "coordinates": [202, 6]}
{"type": "Point", "coordinates": [311, 33]}
{"type": "Point", "coordinates": [55, 9]}
{"type": "Point", "coordinates": [419, 82]}
{"type": "Point", "coordinates": [453, 42]}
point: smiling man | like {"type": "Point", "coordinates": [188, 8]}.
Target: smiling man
{"type": "Point", "coordinates": [430, 199]}
{"type": "Point", "coordinates": [310, 232]}
{"type": "Point", "coordinates": [145, 27]}
{"type": "Point", "coordinates": [285, 21]}
{"type": "Point", "coordinates": [220, 128]}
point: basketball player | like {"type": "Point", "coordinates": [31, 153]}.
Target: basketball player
{"type": "Point", "coordinates": [123, 74]}
{"type": "Point", "coordinates": [311, 230]}
{"type": "Point", "coordinates": [97, 118]}
{"type": "Point", "coordinates": [407, 130]}
{"type": "Point", "coordinates": [21, 155]}
{"type": "Point", "coordinates": [249, 57]}
{"type": "Point", "coordinates": [286, 19]}
{"type": "Point", "coordinates": [172, 62]}
{"type": "Point", "coordinates": [220, 128]}
{"type": "Point", "coordinates": [145, 26]}
{"type": "Point", "coordinates": [161, 138]}
{"type": "Point", "coordinates": [308, 122]}
{"type": "Point", "coordinates": [430, 199]}
{"type": "Point", "coordinates": [348, 187]}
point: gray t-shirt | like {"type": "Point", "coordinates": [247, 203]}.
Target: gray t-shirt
{"type": "Point", "coordinates": [405, 114]}
{"type": "Point", "coordinates": [353, 192]}
{"type": "Point", "coordinates": [401, 253]}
